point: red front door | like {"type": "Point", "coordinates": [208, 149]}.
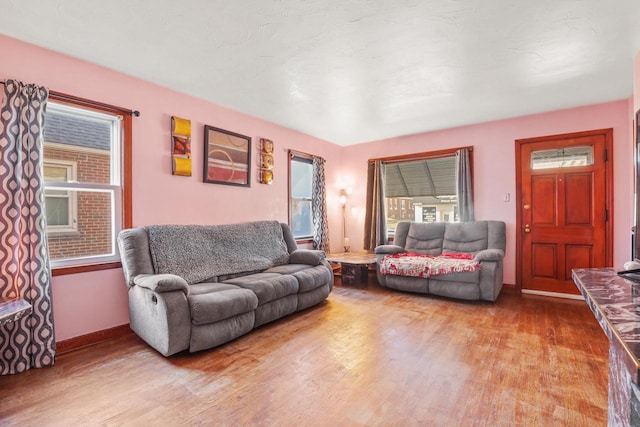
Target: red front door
{"type": "Point", "coordinates": [563, 209]}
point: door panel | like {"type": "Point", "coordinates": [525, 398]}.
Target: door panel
{"type": "Point", "coordinates": [543, 207]}
{"type": "Point", "coordinates": [562, 209]}
{"type": "Point", "coordinates": [577, 255]}
{"type": "Point", "coordinates": [544, 260]}
{"type": "Point", "coordinates": [578, 192]}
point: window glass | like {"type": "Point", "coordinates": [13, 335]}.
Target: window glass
{"type": "Point", "coordinates": [94, 235]}
{"type": "Point", "coordinates": [82, 184]}
{"type": "Point", "coordinates": [300, 198]}
{"type": "Point", "coordinates": [421, 190]}
{"type": "Point", "coordinates": [58, 212]}
{"type": "Point", "coordinates": [56, 172]}
{"type": "Point", "coordinates": [301, 178]}
{"type": "Point", "coordinates": [301, 224]}
{"type": "Point", "coordinates": [83, 136]}
{"type": "Point", "coordinates": [570, 157]}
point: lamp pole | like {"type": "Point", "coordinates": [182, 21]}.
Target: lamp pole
{"type": "Point", "coordinates": [343, 202]}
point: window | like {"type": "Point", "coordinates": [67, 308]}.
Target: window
{"type": "Point", "coordinates": [423, 185]}
{"type": "Point", "coordinates": [85, 198]}
{"type": "Point", "coordinates": [300, 190]}
{"type": "Point", "coordinates": [570, 157]}
{"type": "Point", "coordinates": [60, 205]}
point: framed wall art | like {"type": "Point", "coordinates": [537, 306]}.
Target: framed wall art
{"type": "Point", "coordinates": [266, 161]}
{"type": "Point", "coordinates": [227, 157]}
{"type": "Point", "coordinates": [180, 146]}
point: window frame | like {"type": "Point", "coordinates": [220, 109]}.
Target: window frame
{"type": "Point", "coordinates": [121, 214]}
{"type": "Point", "coordinates": [72, 199]}
{"type": "Point", "coordinates": [306, 158]}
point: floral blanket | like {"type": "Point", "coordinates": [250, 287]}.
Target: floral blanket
{"type": "Point", "coordinates": [418, 265]}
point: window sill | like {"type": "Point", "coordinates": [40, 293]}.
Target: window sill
{"type": "Point", "coordinates": [62, 271]}
{"type": "Point", "coordinates": [304, 239]}
{"type": "Point", "coordinates": [74, 234]}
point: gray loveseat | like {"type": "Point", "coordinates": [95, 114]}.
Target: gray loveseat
{"type": "Point", "coordinates": [485, 240]}
{"type": "Point", "coordinates": [196, 287]}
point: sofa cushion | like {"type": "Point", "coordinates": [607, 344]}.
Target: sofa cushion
{"type": "Point", "coordinates": [215, 306]}
{"type": "Point", "coordinates": [206, 287]}
{"type": "Point", "coordinates": [308, 277]}
{"type": "Point", "coordinates": [225, 277]}
{"type": "Point", "coordinates": [313, 297]}
{"type": "Point", "coordinates": [267, 286]}
{"type": "Point", "coordinates": [250, 277]}
{"type": "Point", "coordinates": [307, 256]}
{"type": "Point", "coordinates": [407, 283]}
{"type": "Point", "coordinates": [425, 238]}
{"type": "Point", "coordinates": [463, 277]}
{"type": "Point", "coordinates": [213, 334]}
{"type": "Point", "coordinates": [162, 282]}
{"type": "Point", "coordinates": [287, 268]}
{"type": "Point", "coordinates": [389, 249]}
{"type": "Point", "coordinates": [451, 289]}
{"type": "Point", "coordinates": [312, 278]}
{"type": "Point", "coordinates": [490, 255]}
{"type": "Point", "coordinates": [468, 237]}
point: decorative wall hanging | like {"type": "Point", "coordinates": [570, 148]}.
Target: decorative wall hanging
{"type": "Point", "coordinates": [266, 161]}
{"type": "Point", "coordinates": [180, 146]}
{"type": "Point", "coordinates": [227, 156]}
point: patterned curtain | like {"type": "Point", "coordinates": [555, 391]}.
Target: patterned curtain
{"type": "Point", "coordinates": [375, 221]}
{"type": "Point", "coordinates": [27, 342]}
{"type": "Point", "coordinates": [319, 206]}
{"type": "Point", "coordinates": [463, 186]}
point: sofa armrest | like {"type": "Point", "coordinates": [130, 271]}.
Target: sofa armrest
{"type": "Point", "coordinates": [307, 256]}
{"type": "Point", "coordinates": [162, 282]}
{"type": "Point", "coordinates": [489, 255]}
{"type": "Point", "coordinates": [389, 249]}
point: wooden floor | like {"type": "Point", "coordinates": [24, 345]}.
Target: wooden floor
{"type": "Point", "coordinates": [367, 356]}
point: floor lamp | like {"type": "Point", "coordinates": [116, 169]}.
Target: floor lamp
{"type": "Point", "coordinates": [343, 202]}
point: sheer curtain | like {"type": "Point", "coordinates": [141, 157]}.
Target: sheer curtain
{"type": "Point", "coordinates": [375, 221]}
{"type": "Point", "coordinates": [319, 206]}
{"type": "Point", "coordinates": [463, 185]}
{"type": "Point", "coordinates": [25, 273]}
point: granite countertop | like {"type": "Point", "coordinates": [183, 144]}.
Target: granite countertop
{"type": "Point", "coordinates": [615, 302]}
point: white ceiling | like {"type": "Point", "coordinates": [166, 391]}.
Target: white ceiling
{"type": "Point", "coordinates": [351, 71]}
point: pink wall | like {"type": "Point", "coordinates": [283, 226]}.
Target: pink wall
{"type": "Point", "coordinates": [494, 166]}
{"type": "Point", "coordinates": [88, 302]}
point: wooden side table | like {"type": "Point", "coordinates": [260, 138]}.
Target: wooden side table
{"type": "Point", "coordinates": [354, 265]}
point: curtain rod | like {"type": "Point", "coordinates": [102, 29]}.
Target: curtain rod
{"type": "Point", "coordinates": [421, 156]}
{"type": "Point", "coordinates": [302, 154]}
{"type": "Point", "coordinates": [88, 102]}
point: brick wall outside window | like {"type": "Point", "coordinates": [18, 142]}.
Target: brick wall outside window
{"type": "Point", "coordinates": [93, 234]}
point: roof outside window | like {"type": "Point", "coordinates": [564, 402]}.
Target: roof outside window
{"type": "Point", "coordinates": [431, 178]}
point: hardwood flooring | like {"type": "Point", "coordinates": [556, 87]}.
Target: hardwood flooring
{"type": "Point", "coordinates": [368, 356]}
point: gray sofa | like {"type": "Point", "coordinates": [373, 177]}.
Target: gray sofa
{"type": "Point", "coordinates": [196, 287]}
{"type": "Point", "coordinates": [486, 240]}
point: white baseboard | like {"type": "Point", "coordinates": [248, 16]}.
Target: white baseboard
{"type": "Point", "coordinates": [553, 294]}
